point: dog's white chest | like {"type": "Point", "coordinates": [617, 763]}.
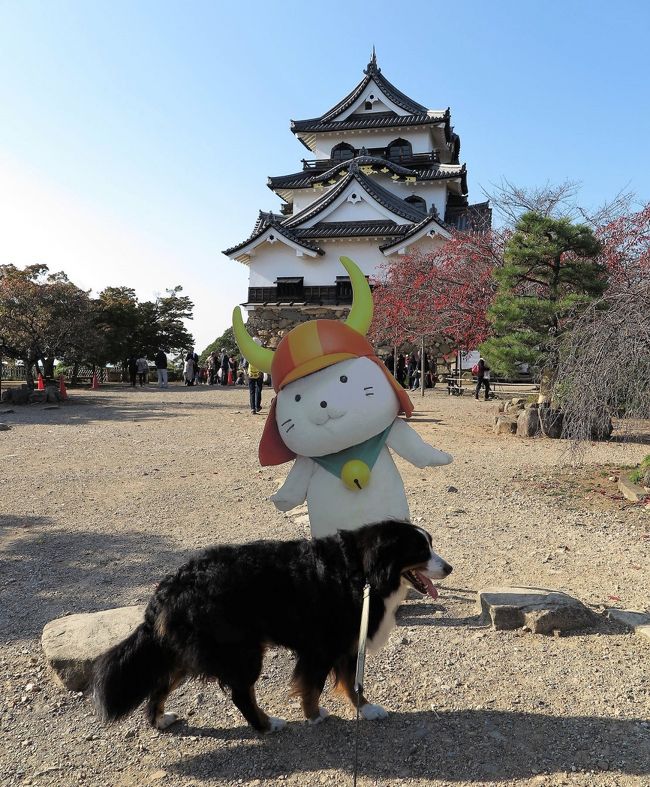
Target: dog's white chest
{"type": "Point", "coordinates": [387, 624]}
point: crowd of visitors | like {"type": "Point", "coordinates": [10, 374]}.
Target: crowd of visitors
{"type": "Point", "coordinates": [408, 371]}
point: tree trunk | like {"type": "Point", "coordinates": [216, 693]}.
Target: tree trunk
{"type": "Point", "coordinates": [75, 372]}
{"type": "Point", "coordinates": [29, 377]}
{"type": "Point", "coordinates": [422, 372]}
{"type": "Point", "coordinates": [545, 387]}
{"type": "Point", "coordinates": [395, 361]}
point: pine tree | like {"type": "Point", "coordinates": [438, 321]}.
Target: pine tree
{"type": "Point", "coordinates": [550, 274]}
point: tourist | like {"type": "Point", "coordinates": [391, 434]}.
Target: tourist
{"type": "Point", "coordinates": [132, 364]}
{"type": "Point", "coordinates": [483, 378]}
{"type": "Point", "coordinates": [142, 367]}
{"type": "Point", "coordinates": [224, 364]}
{"type": "Point", "coordinates": [255, 381]}
{"type": "Point", "coordinates": [188, 369]}
{"type": "Point", "coordinates": [161, 368]}
{"type": "Point", "coordinates": [212, 368]}
{"type": "Point", "coordinates": [400, 375]}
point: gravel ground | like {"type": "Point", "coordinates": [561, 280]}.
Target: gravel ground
{"type": "Point", "coordinates": [102, 497]}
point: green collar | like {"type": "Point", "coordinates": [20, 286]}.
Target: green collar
{"type": "Point", "coordinates": [367, 452]}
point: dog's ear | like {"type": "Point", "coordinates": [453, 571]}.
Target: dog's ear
{"type": "Point", "coordinates": [379, 565]}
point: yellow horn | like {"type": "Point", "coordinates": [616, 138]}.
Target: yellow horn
{"type": "Point", "coordinates": [258, 356]}
{"type": "Point", "coordinates": [360, 315]}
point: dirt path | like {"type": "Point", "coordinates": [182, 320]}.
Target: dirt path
{"type": "Point", "coordinates": [102, 497]}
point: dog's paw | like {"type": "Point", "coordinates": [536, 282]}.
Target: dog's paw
{"type": "Point", "coordinates": [166, 720]}
{"type": "Point", "coordinates": [372, 712]}
{"type": "Point", "coordinates": [276, 724]}
{"type": "Point", "coordinates": [323, 713]}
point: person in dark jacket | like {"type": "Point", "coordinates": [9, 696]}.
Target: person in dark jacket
{"type": "Point", "coordinates": [161, 368]}
{"type": "Point", "coordinates": [132, 364]}
{"type": "Point", "coordinates": [483, 379]}
{"type": "Point", "coordinates": [225, 366]}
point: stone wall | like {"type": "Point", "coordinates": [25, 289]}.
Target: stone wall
{"type": "Point", "coordinates": [271, 324]}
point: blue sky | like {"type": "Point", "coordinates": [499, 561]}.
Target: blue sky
{"type": "Point", "coordinates": [136, 136]}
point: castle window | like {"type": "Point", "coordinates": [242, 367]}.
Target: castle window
{"type": "Point", "coordinates": [417, 202]}
{"type": "Point", "coordinates": [368, 105]}
{"type": "Point", "coordinates": [290, 288]}
{"type": "Point", "coordinates": [342, 152]}
{"type": "Point", "coordinates": [399, 149]}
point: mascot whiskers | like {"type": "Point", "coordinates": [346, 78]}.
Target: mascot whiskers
{"type": "Point", "coordinates": [336, 414]}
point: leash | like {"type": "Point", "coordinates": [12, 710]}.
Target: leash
{"type": "Point", "coordinates": [361, 666]}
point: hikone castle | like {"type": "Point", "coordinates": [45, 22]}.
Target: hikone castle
{"type": "Point", "coordinates": [383, 178]}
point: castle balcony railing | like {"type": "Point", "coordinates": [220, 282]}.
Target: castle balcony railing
{"type": "Point", "coordinates": [413, 159]}
{"type": "Point", "coordinates": [308, 295]}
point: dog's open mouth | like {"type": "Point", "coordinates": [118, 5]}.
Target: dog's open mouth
{"type": "Point", "coordinates": [421, 583]}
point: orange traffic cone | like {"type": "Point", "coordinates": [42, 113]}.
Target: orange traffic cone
{"type": "Point", "coordinates": [41, 385]}
{"type": "Point", "coordinates": [95, 383]}
{"type": "Point", "coordinates": [63, 393]}
{"type": "Point", "coordinates": [229, 376]}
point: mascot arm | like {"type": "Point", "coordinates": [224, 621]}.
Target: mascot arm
{"type": "Point", "coordinates": [294, 490]}
{"type": "Point", "coordinates": [410, 446]}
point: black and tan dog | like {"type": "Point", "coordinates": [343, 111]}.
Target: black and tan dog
{"type": "Point", "coordinates": [215, 616]}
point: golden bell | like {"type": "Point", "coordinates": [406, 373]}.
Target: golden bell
{"type": "Point", "coordinates": [355, 474]}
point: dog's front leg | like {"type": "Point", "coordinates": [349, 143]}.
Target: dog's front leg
{"type": "Point", "coordinates": [345, 672]}
{"type": "Point", "coordinates": [309, 678]}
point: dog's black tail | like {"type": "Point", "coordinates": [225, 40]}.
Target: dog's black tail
{"type": "Point", "coordinates": [131, 671]}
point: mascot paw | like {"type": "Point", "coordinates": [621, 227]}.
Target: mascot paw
{"type": "Point", "coordinates": [372, 712]}
{"type": "Point", "coordinates": [166, 720]}
{"type": "Point", "coordinates": [282, 503]}
{"type": "Point", "coordinates": [276, 724]}
{"type": "Point", "coordinates": [438, 458]}
{"type": "Point", "coordinates": [323, 713]}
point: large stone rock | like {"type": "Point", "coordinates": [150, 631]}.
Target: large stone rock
{"type": "Point", "coordinates": [542, 611]}
{"type": "Point", "coordinates": [16, 395]}
{"type": "Point", "coordinates": [38, 397]}
{"type": "Point", "coordinates": [73, 644]}
{"type": "Point", "coordinates": [528, 423]}
{"type": "Point", "coordinates": [504, 425]}
{"type": "Point", "coordinates": [638, 622]}
{"type": "Point", "coordinates": [551, 422]}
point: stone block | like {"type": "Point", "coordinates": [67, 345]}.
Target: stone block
{"type": "Point", "coordinates": [629, 490]}
{"type": "Point", "coordinates": [539, 609]}
{"type": "Point", "coordinates": [505, 425]}
{"type": "Point", "coordinates": [528, 423]}
{"type": "Point", "coordinates": [73, 644]}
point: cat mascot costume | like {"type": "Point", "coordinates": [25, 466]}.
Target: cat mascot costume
{"type": "Point", "coordinates": [335, 414]}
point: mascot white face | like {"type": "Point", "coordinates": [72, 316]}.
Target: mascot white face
{"type": "Point", "coordinates": [335, 408]}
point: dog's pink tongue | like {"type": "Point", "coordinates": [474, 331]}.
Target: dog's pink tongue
{"type": "Point", "coordinates": [431, 590]}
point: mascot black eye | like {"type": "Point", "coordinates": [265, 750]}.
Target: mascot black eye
{"type": "Point", "coordinates": [298, 397]}
{"type": "Point", "coordinates": [343, 378]}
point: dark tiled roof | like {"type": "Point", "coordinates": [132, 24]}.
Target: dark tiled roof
{"type": "Point", "coordinates": [304, 180]}
{"type": "Point", "coordinates": [372, 120]}
{"type": "Point", "coordinates": [477, 217]}
{"type": "Point", "coordinates": [429, 219]}
{"type": "Point", "coordinates": [263, 223]}
{"type": "Point", "coordinates": [384, 197]}
{"type": "Point", "coordinates": [373, 72]}
{"type": "Point", "coordinates": [350, 229]}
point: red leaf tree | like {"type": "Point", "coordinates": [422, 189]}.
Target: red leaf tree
{"type": "Point", "coordinates": [441, 294]}
{"type": "Point", "coordinates": [626, 248]}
